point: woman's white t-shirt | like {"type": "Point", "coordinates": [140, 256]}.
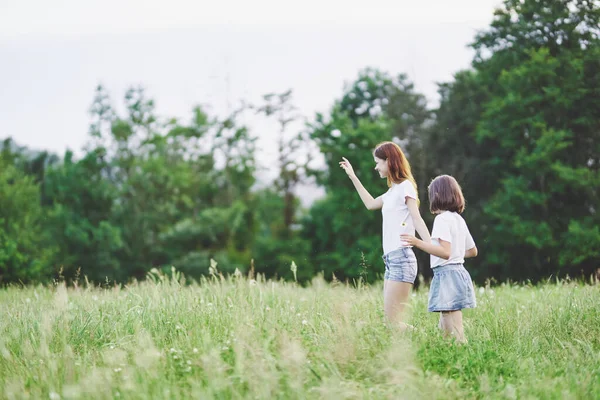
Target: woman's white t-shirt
{"type": "Point", "coordinates": [451, 227]}
{"type": "Point", "coordinates": [396, 217]}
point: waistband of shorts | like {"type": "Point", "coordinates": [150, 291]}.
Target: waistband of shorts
{"type": "Point", "coordinates": [398, 250]}
{"type": "Point", "coordinates": [448, 267]}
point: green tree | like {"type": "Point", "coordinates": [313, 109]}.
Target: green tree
{"type": "Point", "coordinates": [223, 223]}
{"type": "Point", "coordinates": [25, 249]}
{"type": "Point", "coordinates": [338, 226]}
{"type": "Point", "coordinates": [79, 218]}
{"type": "Point", "coordinates": [376, 107]}
{"type": "Point", "coordinates": [290, 148]}
{"type": "Point", "coordinates": [453, 149]}
{"type": "Point", "coordinates": [523, 134]}
{"type": "Point", "coordinates": [161, 170]}
{"type": "Point", "coordinates": [278, 208]}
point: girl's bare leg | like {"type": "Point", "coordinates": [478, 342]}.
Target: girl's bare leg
{"type": "Point", "coordinates": [452, 324]}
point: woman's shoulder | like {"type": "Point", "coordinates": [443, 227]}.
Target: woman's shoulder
{"type": "Point", "coordinates": [404, 186]}
{"type": "Point", "coordinates": [400, 189]}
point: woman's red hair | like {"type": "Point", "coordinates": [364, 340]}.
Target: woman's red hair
{"type": "Point", "coordinates": [398, 166]}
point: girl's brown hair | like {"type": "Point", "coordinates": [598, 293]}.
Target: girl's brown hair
{"type": "Point", "coordinates": [445, 194]}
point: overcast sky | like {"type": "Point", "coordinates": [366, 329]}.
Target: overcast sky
{"type": "Point", "coordinates": [54, 53]}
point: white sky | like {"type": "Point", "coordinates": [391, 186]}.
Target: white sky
{"type": "Point", "coordinates": [54, 53]}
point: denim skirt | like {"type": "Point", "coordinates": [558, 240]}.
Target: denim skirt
{"type": "Point", "coordinates": [451, 289]}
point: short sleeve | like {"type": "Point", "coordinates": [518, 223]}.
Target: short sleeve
{"type": "Point", "coordinates": [409, 190]}
{"type": "Point", "coordinates": [441, 229]}
{"type": "Point", "coordinates": [469, 242]}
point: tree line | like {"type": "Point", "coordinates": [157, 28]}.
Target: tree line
{"type": "Point", "coordinates": [519, 129]}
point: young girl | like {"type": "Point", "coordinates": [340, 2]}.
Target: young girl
{"type": "Point", "coordinates": [400, 211]}
{"type": "Point", "coordinates": [451, 288]}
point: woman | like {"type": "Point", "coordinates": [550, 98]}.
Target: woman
{"type": "Point", "coordinates": [400, 210]}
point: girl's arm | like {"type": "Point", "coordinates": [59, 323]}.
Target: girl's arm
{"type": "Point", "coordinates": [471, 252]}
{"type": "Point", "coordinates": [367, 199]}
{"type": "Point", "coordinates": [420, 226]}
{"type": "Point", "coordinates": [441, 251]}
{"type": "Point", "coordinates": [470, 246]}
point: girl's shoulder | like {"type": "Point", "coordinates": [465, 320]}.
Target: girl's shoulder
{"type": "Point", "coordinates": [449, 217]}
{"type": "Point", "coordinates": [444, 215]}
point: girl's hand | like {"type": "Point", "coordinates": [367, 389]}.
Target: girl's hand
{"type": "Point", "coordinates": [409, 239]}
{"type": "Point", "coordinates": [345, 164]}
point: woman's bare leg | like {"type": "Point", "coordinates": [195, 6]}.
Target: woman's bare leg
{"type": "Point", "coordinates": [395, 299]}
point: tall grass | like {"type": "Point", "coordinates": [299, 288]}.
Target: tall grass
{"type": "Point", "coordinates": [233, 338]}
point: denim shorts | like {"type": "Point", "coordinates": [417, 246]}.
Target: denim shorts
{"type": "Point", "coordinates": [401, 265]}
{"type": "Point", "coordinates": [451, 289]}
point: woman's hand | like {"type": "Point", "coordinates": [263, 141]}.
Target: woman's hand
{"type": "Point", "coordinates": [345, 164]}
{"type": "Point", "coordinates": [443, 250]}
{"type": "Point", "coordinates": [410, 240]}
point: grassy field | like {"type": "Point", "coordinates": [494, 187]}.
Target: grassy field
{"type": "Point", "coordinates": [238, 338]}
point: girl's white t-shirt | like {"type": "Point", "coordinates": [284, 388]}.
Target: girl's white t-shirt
{"type": "Point", "coordinates": [396, 217]}
{"type": "Point", "coordinates": [451, 227]}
